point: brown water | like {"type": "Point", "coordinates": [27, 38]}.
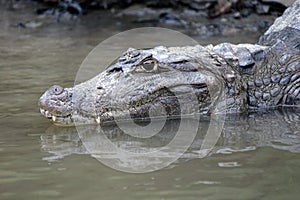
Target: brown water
{"type": "Point", "coordinates": [257, 157]}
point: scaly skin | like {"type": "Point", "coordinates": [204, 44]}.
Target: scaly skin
{"type": "Point", "coordinates": [168, 81]}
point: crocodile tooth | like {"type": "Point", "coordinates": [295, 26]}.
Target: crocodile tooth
{"type": "Point", "coordinates": [54, 118]}
{"type": "Point", "coordinates": [98, 119]}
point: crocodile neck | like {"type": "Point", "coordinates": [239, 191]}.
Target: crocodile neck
{"type": "Point", "coordinates": [268, 71]}
{"type": "Point", "coordinates": [266, 76]}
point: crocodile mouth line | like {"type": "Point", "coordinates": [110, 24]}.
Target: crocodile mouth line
{"type": "Point", "coordinates": [70, 119]}
{"type": "Point", "coordinates": [53, 117]}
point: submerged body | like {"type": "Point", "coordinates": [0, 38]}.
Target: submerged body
{"type": "Point", "coordinates": [168, 81]}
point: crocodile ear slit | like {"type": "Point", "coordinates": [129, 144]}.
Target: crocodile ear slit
{"type": "Point", "coordinates": [185, 67]}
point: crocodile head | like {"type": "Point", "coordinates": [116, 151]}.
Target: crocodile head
{"type": "Point", "coordinates": [141, 84]}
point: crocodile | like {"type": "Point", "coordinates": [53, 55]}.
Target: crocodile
{"type": "Point", "coordinates": [167, 81]}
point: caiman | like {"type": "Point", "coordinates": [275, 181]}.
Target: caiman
{"type": "Point", "coordinates": [164, 80]}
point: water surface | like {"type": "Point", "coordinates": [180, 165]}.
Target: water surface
{"type": "Point", "coordinates": [257, 156]}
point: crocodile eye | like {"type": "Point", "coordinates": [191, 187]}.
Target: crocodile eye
{"type": "Point", "coordinates": [56, 89]}
{"type": "Point", "coordinates": [149, 65]}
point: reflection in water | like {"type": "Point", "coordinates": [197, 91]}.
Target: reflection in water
{"type": "Point", "coordinates": [277, 129]}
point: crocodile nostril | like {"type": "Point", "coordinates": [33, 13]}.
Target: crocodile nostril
{"type": "Point", "coordinates": [56, 89]}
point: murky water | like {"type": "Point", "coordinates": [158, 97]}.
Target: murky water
{"type": "Point", "coordinates": [256, 157]}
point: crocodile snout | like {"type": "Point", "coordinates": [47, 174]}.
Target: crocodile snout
{"type": "Point", "coordinates": [56, 101]}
